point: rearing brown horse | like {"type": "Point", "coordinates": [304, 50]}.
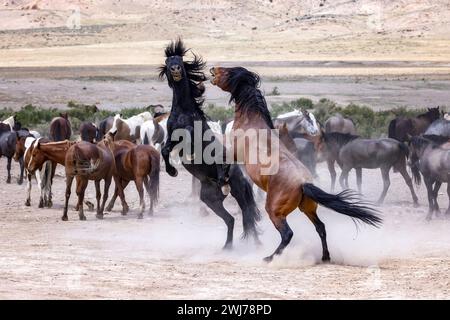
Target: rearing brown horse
{"type": "Point", "coordinates": [291, 186]}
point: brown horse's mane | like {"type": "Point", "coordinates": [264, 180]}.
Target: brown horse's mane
{"type": "Point", "coordinates": [243, 86]}
{"type": "Point", "coordinates": [194, 71]}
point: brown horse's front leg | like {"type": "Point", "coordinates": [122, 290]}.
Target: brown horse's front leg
{"type": "Point", "coordinates": [69, 180]}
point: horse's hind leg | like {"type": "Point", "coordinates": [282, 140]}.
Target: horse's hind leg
{"type": "Point", "coordinates": [359, 179]}
{"type": "Point", "coordinates": [309, 207]}
{"type": "Point", "coordinates": [408, 181]}
{"type": "Point", "coordinates": [437, 186]}
{"type": "Point", "coordinates": [343, 178]}
{"type": "Point", "coordinates": [285, 231]}
{"type": "Point", "coordinates": [448, 194]}
{"type": "Point", "coordinates": [69, 180]}
{"type": "Point", "coordinates": [105, 196]}
{"type": "Point", "coordinates": [22, 168]}
{"type": "Point", "coordinates": [28, 200]}
{"type": "Point", "coordinates": [81, 188]}
{"type": "Point", "coordinates": [386, 184]}
{"type": "Point", "coordinates": [429, 184]}
{"type": "Point", "coordinates": [212, 196]}
{"type": "Point", "coordinates": [98, 196]}
{"type": "Point", "coordinates": [332, 170]}
{"type": "Point", "coordinates": [8, 167]}
{"type": "Point", "coordinates": [139, 182]}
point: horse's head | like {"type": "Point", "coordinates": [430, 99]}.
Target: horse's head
{"type": "Point", "coordinates": [20, 147]}
{"type": "Point", "coordinates": [37, 158]}
{"type": "Point", "coordinates": [309, 123]}
{"type": "Point", "coordinates": [64, 115]}
{"type": "Point", "coordinates": [116, 123]}
{"type": "Point", "coordinates": [230, 79]}
{"type": "Point", "coordinates": [433, 113]}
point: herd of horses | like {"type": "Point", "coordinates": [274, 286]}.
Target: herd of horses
{"type": "Point", "coordinates": [126, 150]}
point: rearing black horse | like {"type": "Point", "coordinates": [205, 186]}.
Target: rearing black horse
{"type": "Point", "coordinates": [185, 78]}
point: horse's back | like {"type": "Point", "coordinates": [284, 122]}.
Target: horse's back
{"type": "Point", "coordinates": [439, 127]}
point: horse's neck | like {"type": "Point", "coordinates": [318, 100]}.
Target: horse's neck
{"type": "Point", "coordinates": [182, 100]}
{"type": "Point", "coordinates": [56, 152]}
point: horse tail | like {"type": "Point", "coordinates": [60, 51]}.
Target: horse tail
{"type": "Point", "coordinates": [416, 173]}
{"type": "Point", "coordinates": [153, 184]}
{"type": "Point", "coordinates": [404, 154]}
{"type": "Point", "coordinates": [146, 140]}
{"type": "Point", "coordinates": [242, 191]}
{"type": "Point", "coordinates": [345, 202]}
{"type": "Point", "coordinates": [391, 130]}
{"type": "Point", "coordinates": [55, 131]}
{"type": "Point", "coordinates": [85, 165]}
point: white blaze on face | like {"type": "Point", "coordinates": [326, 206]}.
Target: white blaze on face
{"type": "Point", "coordinates": [113, 129]}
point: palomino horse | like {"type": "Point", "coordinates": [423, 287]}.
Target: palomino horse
{"type": "Point", "coordinates": [88, 161]}
{"type": "Point", "coordinates": [138, 163]}
{"type": "Point", "coordinates": [383, 154]}
{"type": "Point", "coordinates": [88, 131]}
{"type": "Point", "coordinates": [338, 123]}
{"type": "Point", "coordinates": [24, 148]}
{"type": "Point", "coordinates": [401, 127]}
{"type": "Point", "coordinates": [185, 78]}
{"type": "Point", "coordinates": [431, 159]}
{"type": "Point", "coordinates": [290, 186]}
{"type": "Point", "coordinates": [129, 129]}
{"type": "Point", "coordinates": [55, 152]}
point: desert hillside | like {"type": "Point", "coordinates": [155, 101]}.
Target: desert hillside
{"type": "Point", "coordinates": [64, 31]}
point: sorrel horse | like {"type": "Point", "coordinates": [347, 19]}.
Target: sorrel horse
{"type": "Point", "coordinates": [185, 78]}
{"type": "Point", "coordinates": [88, 161]}
{"type": "Point", "coordinates": [429, 157]}
{"type": "Point", "coordinates": [290, 186]}
{"type": "Point", "coordinates": [138, 163]}
{"type": "Point", "coordinates": [401, 127]}
{"type": "Point", "coordinates": [55, 152]}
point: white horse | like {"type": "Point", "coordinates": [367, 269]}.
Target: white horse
{"type": "Point", "coordinates": [10, 121]}
{"type": "Point", "coordinates": [299, 120]}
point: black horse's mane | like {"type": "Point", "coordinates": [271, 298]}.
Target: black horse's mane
{"type": "Point", "coordinates": [243, 86]}
{"type": "Point", "coordinates": [425, 140]}
{"type": "Point", "coordinates": [194, 71]}
{"type": "Point", "coordinates": [340, 138]}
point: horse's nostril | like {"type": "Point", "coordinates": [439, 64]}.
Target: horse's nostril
{"type": "Point", "coordinates": [175, 68]}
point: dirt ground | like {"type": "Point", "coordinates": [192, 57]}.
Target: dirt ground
{"type": "Point", "coordinates": [176, 253]}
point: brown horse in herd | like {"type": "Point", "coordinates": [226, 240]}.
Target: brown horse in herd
{"type": "Point", "coordinates": [402, 127]}
{"type": "Point", "coordinates": [138, 163]}
{"type": "Point", "coordinates": [291, 186]}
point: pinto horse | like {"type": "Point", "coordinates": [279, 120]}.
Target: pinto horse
{"type": "Point", "coordinates": [129, 129]}
{"type": "Point", "coordinates": [138, 163]}
{"type": "Point", "coordinates": [290, 186]}
{"type": "Point", "coordinates": [185, 79]}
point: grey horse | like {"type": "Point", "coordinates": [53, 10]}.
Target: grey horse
{"type": "Point", "coordinates": [8, 140]}
{"type": "Point", "coordinates": [432, 160]}
{"type": "Point", "coordinates": [440, 127]}
{"type": "Point", "coordinates": [338, 123]}
{"type": "Point", "coordinates": [384, 154]}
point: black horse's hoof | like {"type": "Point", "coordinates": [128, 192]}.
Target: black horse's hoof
{"type": "Point", "coordinates": [41, 204]}
{"type": "Point", "coordinates": [49, 204]}
{"type": "Point", "coordinates": [28, 203]}
{"type": "Point", "coordinates": [109, 208]}
{"type": "Point", "coordinates": [20, 182]}
{"type": "Point", "coordinates": [227, 246]}
{"type": "Point", "coordinates": [65, 218]}
{"type": "Point", "coordinates": [8, 180]}
{"type": "Point", "coordinates": [83, 218]}
{"type": "Point", "coordinates": [326, 259]}
{"type": "Point", "coordinates": [98, 216]}
{"type": "Point", "coordinates": [268, 259]}
{"type": "Point", "coordinates": [171, 171]}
